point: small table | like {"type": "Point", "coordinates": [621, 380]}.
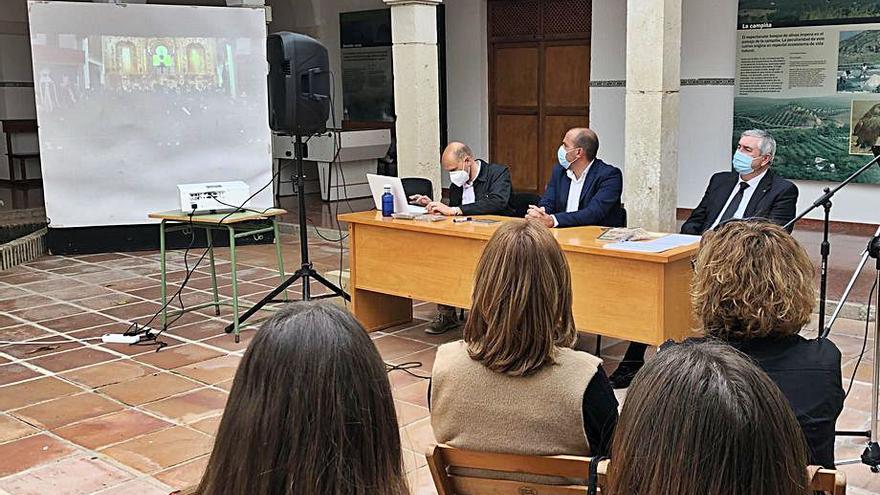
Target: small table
{"type": "Point", "coordinates": [237, 225]}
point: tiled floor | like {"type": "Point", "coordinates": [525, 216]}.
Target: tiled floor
{"type": "Point", "coordinates": [81, 417]}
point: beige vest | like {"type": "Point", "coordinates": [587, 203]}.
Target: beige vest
{"type": "Point", "coordinates": [475, 408]}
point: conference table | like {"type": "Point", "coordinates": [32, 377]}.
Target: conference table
{"type": "Point", "coordinates": [642, 297]}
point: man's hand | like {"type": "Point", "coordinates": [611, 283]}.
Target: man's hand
{"type": "Point", "coordinates": [540, 215]}
{"type": "Point", "coordinates": [435, 207]}
{"type": "Point", "coordinates": [418, 199]}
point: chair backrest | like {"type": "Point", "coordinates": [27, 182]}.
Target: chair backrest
{"type": "Point", "coordinates": [443, 457]}
{"type": "Point", "coordinates": [417, 185]}
{"type": "Point", "coordinates": [828, 481]}
{"type": "Point", "coordinates": [519, 203]}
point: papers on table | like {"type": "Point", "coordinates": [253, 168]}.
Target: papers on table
{"type": "Point", "coordinates": [664, 243]}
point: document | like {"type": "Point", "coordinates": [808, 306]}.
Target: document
{"type": "Point", "coordinates": [665, 243]}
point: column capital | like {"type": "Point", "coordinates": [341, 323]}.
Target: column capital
{"type": "Point", "coordinates": [398, 3]}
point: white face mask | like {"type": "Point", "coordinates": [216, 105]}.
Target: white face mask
{"type": "Point", "coordinates": [459, 177]}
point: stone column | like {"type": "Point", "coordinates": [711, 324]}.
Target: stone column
{"type": "Point", "coordinates": [653, 78]}
{"type": "Point", "coordinates": [416, 88]}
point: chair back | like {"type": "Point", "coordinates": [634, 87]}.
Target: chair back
{"type": "Point", "coordinates": [417, 185]}
{"type": "Point", "coordinates": [828, 481]}
{"type": "Point", "coordinates": [519, 203]}
{"type": "Point", "coordinates": [443, 457]}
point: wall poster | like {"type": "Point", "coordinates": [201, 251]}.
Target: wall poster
{"type": "Point", "coordinates": [367, 70]}
{"type": "Point", "coordinates": [808, 71]}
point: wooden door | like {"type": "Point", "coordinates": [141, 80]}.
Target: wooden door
{"type": "Point", "coordinates": [539, 78]}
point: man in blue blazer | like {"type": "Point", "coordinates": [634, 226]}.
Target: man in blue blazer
{"type": "Point", "coordinates": [583, 190]}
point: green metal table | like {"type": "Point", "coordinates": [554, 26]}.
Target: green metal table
{"type": "Point", "coordinates": [236, 225]}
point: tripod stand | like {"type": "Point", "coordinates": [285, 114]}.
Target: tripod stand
{"type": "Point", "coordinates": [871, 454]}
{"type": "Point", "coordinates": [306, 271]}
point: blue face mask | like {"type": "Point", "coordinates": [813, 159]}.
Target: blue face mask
{"type": "Point", "coordinates": [561, 156]}
{"type": "Point", "coordinates": [742, 163]}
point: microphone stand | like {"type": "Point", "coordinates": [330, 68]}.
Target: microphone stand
{"type": "Point", "coordinates": [825, 202]}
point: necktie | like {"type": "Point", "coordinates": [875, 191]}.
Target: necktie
{"type": "Point", "coordinates": [734, 203]}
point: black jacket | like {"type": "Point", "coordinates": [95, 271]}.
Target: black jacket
{"type": "Point", "coordinates": [491, 192]}
{"type": "Point", "coordinates": [808, 374]}
{"type": "Point", "coordinates": [775, 199]}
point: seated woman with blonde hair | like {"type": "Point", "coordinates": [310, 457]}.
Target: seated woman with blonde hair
{"type": "Point", "coordinates": [514, 384]}
{"type": "Point", "coordinates": [753, 288]}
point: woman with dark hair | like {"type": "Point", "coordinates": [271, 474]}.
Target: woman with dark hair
{"type": "Point", "coordinates": [514, 384]}
{"type": "Point", "coordinates": [701, 418]}
{"type": "Point", "coordinates": [310, 413]}
{"type": "Point", "coordinates": [753, 288]}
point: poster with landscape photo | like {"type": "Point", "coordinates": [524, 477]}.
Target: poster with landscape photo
{"type": "Point", "coordinates": [808, 71]}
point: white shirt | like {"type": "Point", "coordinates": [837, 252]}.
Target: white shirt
{"type": "Point", "coordinates": [574, 191]}
{"type": "Point", "coordinates": [747, 196]}
{"type": "Point", "coordinates": [467, 190]}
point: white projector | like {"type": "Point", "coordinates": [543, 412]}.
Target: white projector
{"type": "Point", "coordinates": [213, 197]}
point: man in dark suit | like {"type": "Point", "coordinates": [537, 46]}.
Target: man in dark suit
{"type": "Point", "coordinates": [478, 188]}
{"type": "Point", "coordinates": [753, 190]}
{"type": "Point", "coordinates": [583, 190]}
{"type": "Point", "coordinates": [750, 190]}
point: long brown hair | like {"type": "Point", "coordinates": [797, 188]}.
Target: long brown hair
{"type": "Point", "coordinates": [752, 279]}
{"type": "Point", "coordinates": [521, 308]}
{"type": "Point", "coordinates": [310, 413]}
{"type": "Point", "coordinates": [703, 419]}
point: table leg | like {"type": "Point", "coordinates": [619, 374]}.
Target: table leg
{"type": "Point", "coordinates": [213, 270]}
{"type": "Point", "coordinates": [377, 311]}
{"type": "Point", "coordinates": [234, 276]}
{"type": "Point", "coordinates": [164, 277]}
{"type": "Point", "coordinates": [279, 256]}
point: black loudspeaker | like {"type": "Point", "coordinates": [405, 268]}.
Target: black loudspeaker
{"type": "Point", "coordinates": [299, 84]}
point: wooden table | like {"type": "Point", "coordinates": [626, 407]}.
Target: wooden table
{"type": "Point", "coordinates": [643, 297]}
{"type": "Point", "coordinates": [237, 225]}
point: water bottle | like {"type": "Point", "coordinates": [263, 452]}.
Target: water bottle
{"type": "Point", "coordinates": [387, 202]}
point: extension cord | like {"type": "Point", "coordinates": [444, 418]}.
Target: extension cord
{"type": "Point", "coordinates": [118, 338]}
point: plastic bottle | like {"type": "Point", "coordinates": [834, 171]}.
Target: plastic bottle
{"type": "Point", "coordinates": [387, 201]}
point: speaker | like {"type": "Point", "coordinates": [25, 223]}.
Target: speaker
{"type": "Point", "coordinates": [299, 84]}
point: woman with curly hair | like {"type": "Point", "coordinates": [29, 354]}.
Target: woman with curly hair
{"type": "Point", "coordinates": [753, 288]}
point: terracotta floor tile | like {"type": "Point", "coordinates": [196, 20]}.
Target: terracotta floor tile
{"type": "Point", "coordinates": [418, 436]}
{"type": "Point", "coordinates": [199, 331]}
{"type": "Point", "coordinates": [184, 475]}
{"type": "Point", "coordinates": [149, 388]}
{"type": "Point", "coordinates": [80, 269]}
{"type": "Point", "coordinates": [227, 340]}
{"type": "Point", "coordinates": [9, 292]}
{"type": "Point", "coordinates": [225, 385]}
{"type": "Point", "coordinates": [48, 287]}
{"type": "Point", "coordinates": [40, 347]}
{"type": "Point", "coordinates": [77, 322]}
{"type": "Point", "coordinates": [108, 301]}
{"type": "Point", "coordinates": [12, 428]}
{"type": "Point", "coordinates": [212, 371]}
{"type": "Point", "coordinates": [114, 428]}
{"type": "Point", "coordinates": [416, 330]}
{"type": "Point", "coordinates": [190, 407]}
{"type": "Point", "coordinates": [78, 292]}
{"type": "Point", "coordinates": [66, 410]}
{"type": "Point", "coordinates": [208, 425]}
{"type": "Point", "coordinates": [7, 321]}
{"type": "Point", "coordinates": [26, 453]}
{"type": "Point", "coordinates": [34, 391]}
{"type": "Point", "coordinates": [50, 262]}
{"type": "Point", "coordinates": [409, 413]}
{"type": "Point", "coordinates": [176, 357]}
{"type": "Point", "coordinates": [425, 357]}
{"type": "Point", "coordinates": [133, 311]}
{"type": "Point", "coordinates": [105, 277]}
{"type": "Point", "coordinates": [135, 283]}
{"type": "Point", "coordinates": [416, 393]}
{"type": "Point", "coordinates": [11, 373]}
{"type": "Point", "coordinates": [95, 258]}
{"type": "Point", "coordinates": [92, 334]}
{"type": "Point", "coordinates": [25, 302]}
{"type": "Point", "coordinates": [143, 347]}
{"type": "Point", "coordinates": [391, 347]}
{"type": "Point", "coordinates": [161, 449]}
{"type": "Point", "coordinates": [21, 333]}
{"type": "Point", "coordinates": [143, 486]}
{"type": "Point", "coordinates": [76, 358]}
{"type": "Point", "coordinates": [421, 482]}
{"type": "Point", "coordinates": [28, 277]}
{"type": "Point", "coordinates": [69, 477]}
{"type": "Point", "coordinates": [108, 373]}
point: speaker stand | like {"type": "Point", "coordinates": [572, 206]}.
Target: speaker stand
{"type": "Point", "coordinates": [306, 271]}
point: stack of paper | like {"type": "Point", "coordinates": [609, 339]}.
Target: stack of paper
{"type": "Point", "coordinates": [665, 243]}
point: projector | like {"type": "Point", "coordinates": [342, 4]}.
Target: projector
{"type": "Point", "coordinates": [213, 197]}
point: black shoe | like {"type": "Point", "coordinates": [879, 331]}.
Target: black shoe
{"type": "Point", "coordinates": [443, 322]}
{"type": "Point", "coordinates": [624, 374]}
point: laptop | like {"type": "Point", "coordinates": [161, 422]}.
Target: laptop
{"type": "Point", "coordinates": [401, 201]}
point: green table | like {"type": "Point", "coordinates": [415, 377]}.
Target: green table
{"type": "Point", "coordinates": [236, 225]}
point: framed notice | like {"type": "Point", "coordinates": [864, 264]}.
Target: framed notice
{"type": "Point", "coordinates": [367, 69]}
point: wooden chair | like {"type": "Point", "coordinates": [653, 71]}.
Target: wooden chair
{"type": "Point", "coordinates": [828, 481]}
{"type": "Point", "coordinates": [443, 457]}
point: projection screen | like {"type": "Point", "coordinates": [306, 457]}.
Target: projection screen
{"type": "Point", "coordinates": [135, 99]}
